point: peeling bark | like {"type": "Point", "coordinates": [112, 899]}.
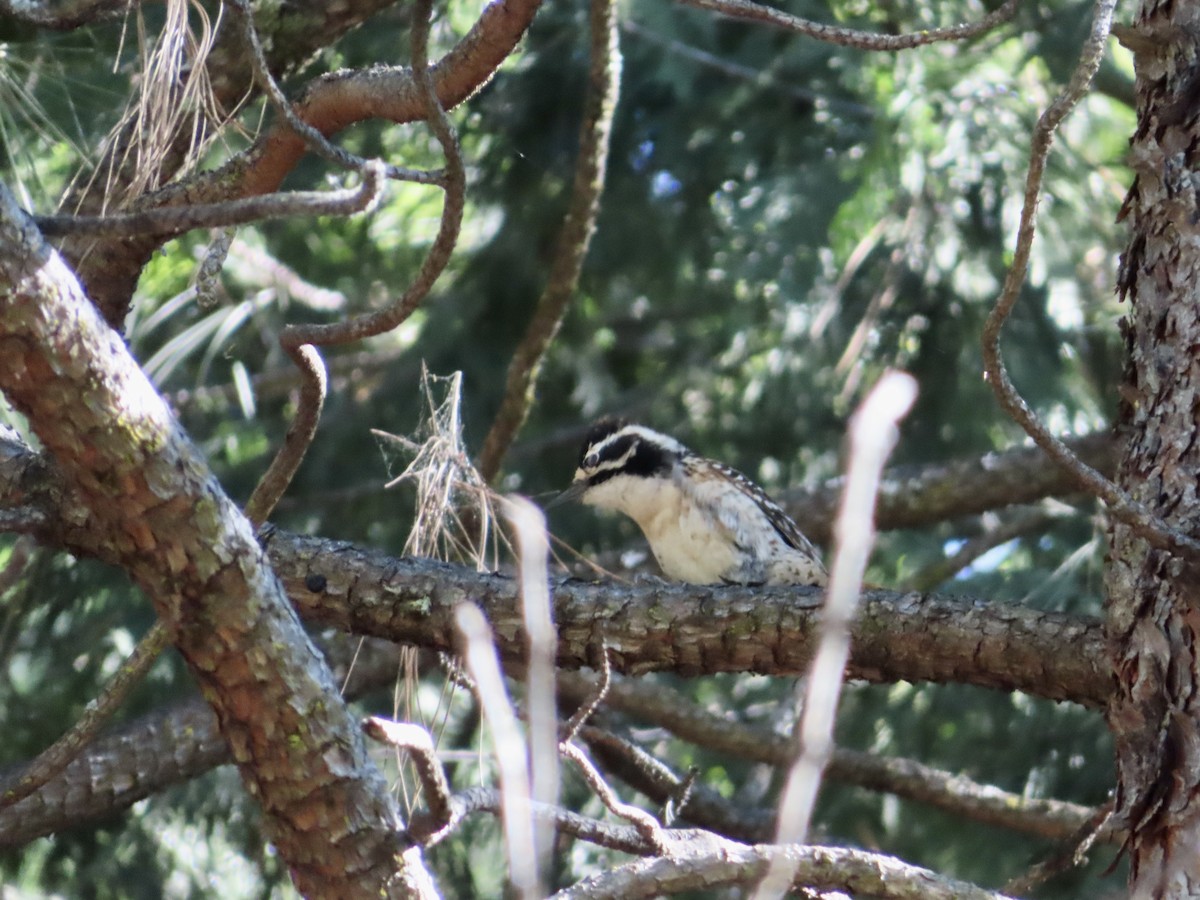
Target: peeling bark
{"type": "Point", "coordinates": [1154, 602]}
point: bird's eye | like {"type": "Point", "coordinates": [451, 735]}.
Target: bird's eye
{"type": "Point", "coordinates": [591, 461]}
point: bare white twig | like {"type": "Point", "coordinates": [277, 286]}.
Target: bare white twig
{"type": "Point", "coordinates": [873, 434]}
{"type": "Point", "coordinates": [533, 555]}
{"type": "Point", "coordinates": [511, 756]}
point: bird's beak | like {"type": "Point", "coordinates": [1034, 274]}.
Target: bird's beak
{"type": "Point", "coordinates": [574, 492]}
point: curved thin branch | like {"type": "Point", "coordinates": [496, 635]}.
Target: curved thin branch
{"type": "Point", "coordinates": [274, 482]}
{"type": "Point", "coordinates": [848, 37]}
{"type": "Point", "coordinates": [595, 134]}
{"type": "Point", "coordinates": [760, 78]}
{"type": "Point", "coordinates": [110, 267]}
{"type": "Point", "coordinates": [439, 252]}
{"type": "Point", "coordinates": [55, 758]}
{"type": "Point", "coordinates": [416, 740]}
{"type": "Point", "coordinates": [1072, 855]}
{"type": "Point", "coordinates": [651, 777]}
{"type": "Point", "coordinates": [645, 824]}
{"type": "Point", "coordinates": [300, 341]}
{"type": "Point", "coordinates": [591, 702]}
{"type": "Point", "coordinates": [616, 837]}
{"type": "Point", "coordinates": [1142, 521]}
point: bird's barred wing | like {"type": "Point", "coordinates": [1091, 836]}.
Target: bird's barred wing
{"type": "Point", "coordinates": [752, 494]}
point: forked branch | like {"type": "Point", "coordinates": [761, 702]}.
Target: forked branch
{"type": "Point", "coordinates": [316, 142]}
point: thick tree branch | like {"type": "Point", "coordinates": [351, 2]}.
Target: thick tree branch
{"type": "Point", "coordinates": [58, 755]}
{"type": "Point", "coordinates": [650, 626]}
{"type": "Point", "coordinates": [146, 492]}
{"type": "Point", "coordinates": [1145, 523]}
{"type": "Point", "coordinates": [117, 770]}
{"type": "Point", "coordinates": [109, 268]}
{"type": "Point", "coordinates": [144, 757]}
{"type": "Point", "coordinates": [693, 630]}
{"type": "Point", "coordinates": [1152, 623]}
{"type": "Point", "coordinates": [66, 15]}
{"type": "Point", "coordinates": [911, 497]}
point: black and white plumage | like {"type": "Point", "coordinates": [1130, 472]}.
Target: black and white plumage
{"type": "Point", "coordinates": [706, 522]}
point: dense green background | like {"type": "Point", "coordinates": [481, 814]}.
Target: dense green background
{"type": "Point", "coordinates": [783, 219]}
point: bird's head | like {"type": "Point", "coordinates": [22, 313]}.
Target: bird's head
{"type": "Point", "coordinates": [616, 458]}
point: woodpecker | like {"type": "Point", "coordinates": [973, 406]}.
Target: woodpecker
{"type": "Point", "coordinates": [706, 522]}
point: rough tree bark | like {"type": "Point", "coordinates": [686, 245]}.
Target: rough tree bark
{"type": "Point", "coordinates": [1154, 597]}
{"type": "Point", "coordinates": [146, 488]}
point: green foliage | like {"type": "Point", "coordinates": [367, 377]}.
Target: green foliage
{"type": "Point", "coordinates": [782, 220]}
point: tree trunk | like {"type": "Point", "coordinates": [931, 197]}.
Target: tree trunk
{"type": "Point", "coordinates": [1154, 599]}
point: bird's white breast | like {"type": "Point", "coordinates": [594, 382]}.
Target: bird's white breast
{"type": "Point", "coordinates": [689, 543]}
